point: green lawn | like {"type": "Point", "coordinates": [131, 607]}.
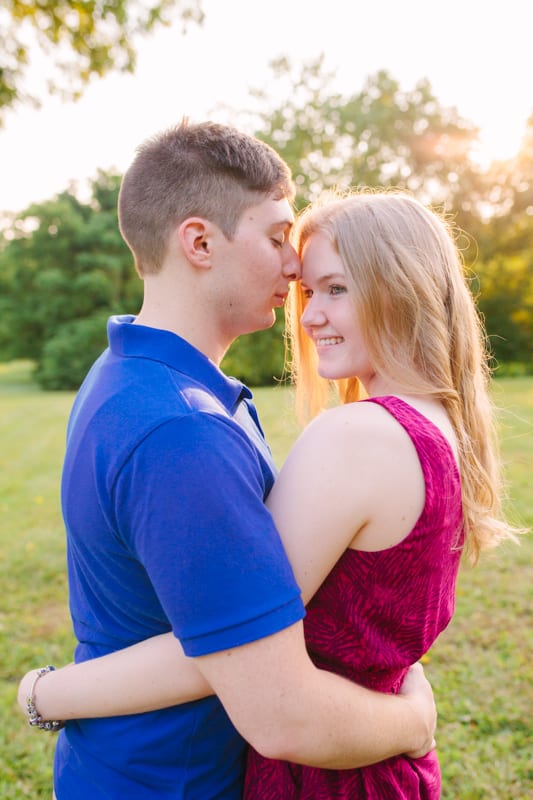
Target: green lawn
{"type": "Point", "coordinates": [480, 668]}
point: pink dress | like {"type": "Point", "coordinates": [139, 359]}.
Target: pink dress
{"type": "Point", "coordinates": [376, 614]}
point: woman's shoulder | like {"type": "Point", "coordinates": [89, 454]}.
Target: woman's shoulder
{"type": "Point", "coordinates": [385, 431]}
{"type": "Point", "coordinates": [364, 421]}
{"type": "Point", "coordinates": [357, 437]}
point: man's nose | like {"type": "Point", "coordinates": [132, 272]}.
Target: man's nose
{"type": "Point", "coordinates": [292, 269]}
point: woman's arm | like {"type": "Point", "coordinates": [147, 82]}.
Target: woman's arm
{"type": "Point", "coordinates": [321, 498]}
{"type": "Point", "coordinates": [150, 675]}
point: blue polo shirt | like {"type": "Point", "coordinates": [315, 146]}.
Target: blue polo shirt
{"type": "Point", "coordinates": [163, 488]}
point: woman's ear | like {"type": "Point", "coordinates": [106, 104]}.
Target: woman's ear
{"type": "Point", "coordinates": [196, 237]}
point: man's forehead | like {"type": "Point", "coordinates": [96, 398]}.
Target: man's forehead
{"type": "Point", "coordinates": [283, 214]}
{"type": "Point", "coordinates": [274, 212]}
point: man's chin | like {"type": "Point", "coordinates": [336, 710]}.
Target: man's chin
{"type": "Point", "coordinates": [271, 319]}
{"type": "Point", "coordinates": [266, 323]}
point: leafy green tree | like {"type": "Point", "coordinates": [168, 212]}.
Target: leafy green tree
{"type": "Point", "coordinates": [39, 293]}
{"type": "Point", "coordinates": [506, 304]}
{"type": "Point", "coordinates": [65, 264]}
{"type": "Point", "coordinates": [67, 356]}
{"type": "Point", "coordinates": [84, 39]}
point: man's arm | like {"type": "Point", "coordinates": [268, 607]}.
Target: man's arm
{"type": "Point", "coordinates": [288, 709]}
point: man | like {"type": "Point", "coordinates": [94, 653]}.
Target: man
{"type": "Point", "coordinates": [165, 475]}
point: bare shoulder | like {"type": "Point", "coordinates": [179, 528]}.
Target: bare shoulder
{"type": "Point", "coordinates": [364, 426]}
{"type": "Point", "coordinates": [345, 445]}
{"type": "Point", "coordinates": [356, 441]}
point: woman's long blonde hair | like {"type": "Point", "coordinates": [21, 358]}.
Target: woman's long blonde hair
{"type": "Point", "coordinates": [421, 328]}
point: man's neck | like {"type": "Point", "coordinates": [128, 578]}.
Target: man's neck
{"type": "Point", "coordinates": [196, 332]}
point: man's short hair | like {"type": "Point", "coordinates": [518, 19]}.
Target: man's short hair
{"type": "Point", "coordinates": [206, 170]}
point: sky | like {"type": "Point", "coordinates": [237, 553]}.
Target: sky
{"type": "Point", "coordinates": [475, 53]}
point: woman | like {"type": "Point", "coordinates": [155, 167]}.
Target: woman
{"type": "Point", "coordinates": [379, 496]}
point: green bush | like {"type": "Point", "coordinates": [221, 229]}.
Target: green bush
{"type": "Point", "coordinates": [68, 355]}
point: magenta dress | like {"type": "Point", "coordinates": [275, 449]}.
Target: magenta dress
{"type": "Point", "coordinates": [375, 615]}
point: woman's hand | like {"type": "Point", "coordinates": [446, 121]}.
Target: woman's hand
{"type": "Point", "coordinates": [24, 690]}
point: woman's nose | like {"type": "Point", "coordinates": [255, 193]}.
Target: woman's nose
{"type": "Point", "coordinates": [312, 315]}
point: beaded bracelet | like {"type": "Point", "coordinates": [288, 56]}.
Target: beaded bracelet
{"type": "Point", "coordinates": [34, 718]}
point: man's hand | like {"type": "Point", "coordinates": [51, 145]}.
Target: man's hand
{"type": "Point", "coordinates": [417, 690]}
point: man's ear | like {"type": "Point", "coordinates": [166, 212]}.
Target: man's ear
{"type": "Point", "coordinates": [196, 237]}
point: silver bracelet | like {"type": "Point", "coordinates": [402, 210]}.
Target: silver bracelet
{"type": "Point", "coordinates": [34, 718]}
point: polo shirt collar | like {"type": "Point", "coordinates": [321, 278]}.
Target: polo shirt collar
{"type": "Point", "coordinates": [141, 341]}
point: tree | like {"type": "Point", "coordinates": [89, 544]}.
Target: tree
{"type": "Point", "coordinates": [64, 270]}
{"type": "Point", "coordinates": [380, 136]}
{"type": "Point", "coordinates": [506, 303]}
{"type": "Point", "coordinates": [87, 38]}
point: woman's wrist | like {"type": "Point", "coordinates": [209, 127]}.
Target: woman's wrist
{"type": "Point", "coordinates": [29, 704]}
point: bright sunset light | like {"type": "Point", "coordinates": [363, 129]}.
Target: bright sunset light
{"type": "Point", "coordinates": [498, 143]}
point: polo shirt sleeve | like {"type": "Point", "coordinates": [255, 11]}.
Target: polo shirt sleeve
{"type": "Point", "coordinates": [190, 506]}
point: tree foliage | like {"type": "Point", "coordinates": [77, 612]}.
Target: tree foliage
{"type": "Point", "coordinates": [84, 39]}
{"type": "Point", "coordinates": [505, 268]}
{"type": "Point", "coordinates": [258, 358]}
{"type": "Point", "coordinates": [380, 136]}
{"type": "Point", "coordinates": [65, 268]}
{"type": "Point", "coordinates": [506, 304]}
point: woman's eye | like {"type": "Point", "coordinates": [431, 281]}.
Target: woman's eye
{"type": "Point", "coordinates": [307, 293]}
{"type": "Point", "coordinates": [279, 242]}
{"type": "Point", "coordinates": [337, 289]}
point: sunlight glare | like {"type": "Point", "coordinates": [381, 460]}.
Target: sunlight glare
{"type": "Point", "coordinates": [499, 142]}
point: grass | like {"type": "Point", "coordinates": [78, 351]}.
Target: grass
{"type": "Point", "coordinates": [480, 667]}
